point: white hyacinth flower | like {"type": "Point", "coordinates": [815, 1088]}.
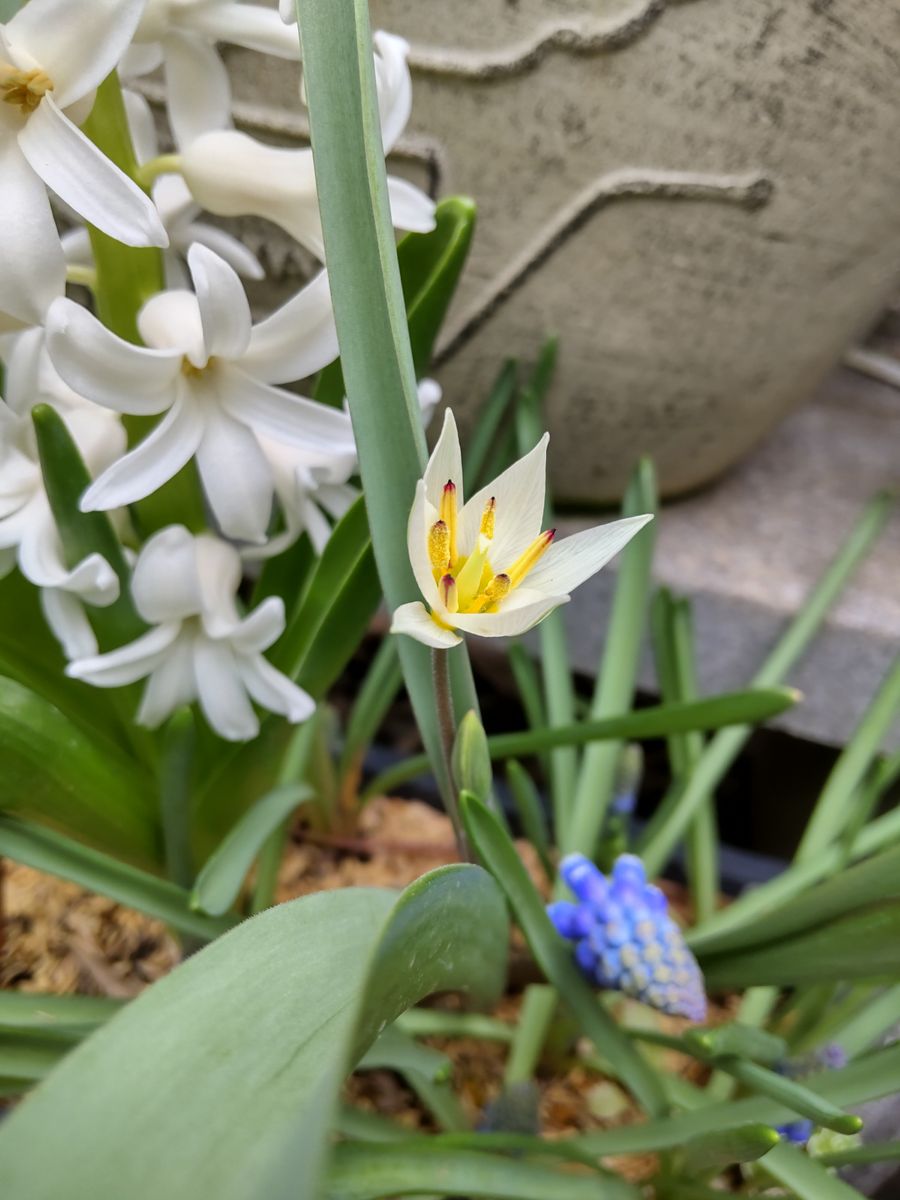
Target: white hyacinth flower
{"type": "Point", "coordinates": [177, 209]}
{"type": "Point", "coordinates": [233, 175]}
{"type": "Point", "coordinates": [199, 647]}
{"type": "Point", "coordinates": [53, 54]}
{"type": "Point", "coordinates": [181, 37]}
{"type": "Point", "coordinates": [485, 567]}
{"type": "Point", "coordinates": [28, 533]}
{"type": "Point", "coordinates": [210, 371]}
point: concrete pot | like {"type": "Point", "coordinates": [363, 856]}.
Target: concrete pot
{"type": "Point", "coordinates": [702, 198]}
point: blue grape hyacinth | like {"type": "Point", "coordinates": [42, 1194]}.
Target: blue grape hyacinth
{"type": "Point", "coordinates": [624, 937]}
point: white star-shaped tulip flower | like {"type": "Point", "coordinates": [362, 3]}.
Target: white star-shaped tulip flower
{"type": "Point", "coordinates": [28, 533]}
{"type": "Point", "coordinates": [53, 54]}
{"type": "Point", "coordinates": [233, 175]}
{"type": "Point", "coordinates": [177, 210]}
{"type": "Point", "coordinates": [182, 37]}
{"type": "Point", "coordinates": [485, 567]}
{"type": "Point", "coordinates": [210, 371]}
{"type": "Point", "coordinates": [199, 646]}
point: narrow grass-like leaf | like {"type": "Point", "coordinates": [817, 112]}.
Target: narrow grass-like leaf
{"type": "Point", "coordinates": [29, 1057]}
{"type": "Point", "coordinates": [376, 357]}
{"type": "Point", "coordinates": [499, 854]}
{"type": "Point", "coordinates": [46, 850]}
{"type": "Point", "coordinates": [712, 1152]}
{"type": "Point", "coordinates": [665, 830]}
{"type": "Point", "coordinates": [864, 1029]}
{"type": "Point", "coordinates": [614, 691]}
{"type": "Point", "coordinates": [435, 1022]}
{"type": "Point", "coordinates": [371, 1171]}
{"type": "Point", "coordinates": [490, 418]}
{"type": "Point", "coordinates": [378, 691]}
{"type": "Point", "coordinates": [791, 1093]}
{"type": "Point", "coordinates": [530, 810]}
{"type": "Point", "coordinates": [175, 796]}
{"type": "Point", "coordinates": [875, 1152]}
{"type": "Point", "coordinates": [394, 1050]}
{"type": "Point", "coordinates": [223, 1078]}
{"type": "Point", "coordinates": [807, 1179]}
{"type": "Point", "coordinates": [286, 575]}
{"type": "Point", "coordinates": [73, 1016]}
{"type": "Point", "coordinates": [736, 1040]}
{"type": "Point", "coordinates": [219, 883]}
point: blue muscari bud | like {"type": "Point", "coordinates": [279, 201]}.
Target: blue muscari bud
{"type": "Point", "coordinates": [798, 1132]}
{"type": "Point", "coordinates": [624, 937]}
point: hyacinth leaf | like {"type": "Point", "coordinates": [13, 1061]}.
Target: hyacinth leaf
{"type": "Point", "coordinates": [807, 1179]}
{"type": "Point", "coordinates": [715, 712]}
{"type": "Point", "coordinates": [9, 8]}
{"type": "Point", "coordinates": [711, 1153]}
{"type": "Point", "coordinates": [57, 774]}
{"type": "Point", "coordinates": [430, 267]}
{"type": "Point", "coordinates": [791, 1093]}
{"type": "Point", "coordinates": [46, 850]}
{"type": "Point", "coordinates": [736, 1040]}
{"type": "Point", "coordinates": [343, 627]}
{"type": "Point", "coordinates": [394, 1050]}
{"type": "Point", "coordinates": [219, 883]}
{"type": "Point", "coordinates": [530, 811]}
{"type": "Point", "coordinates": [70, 1017]}
{"type": "Point", "coordinates": [368, 1172]}
{"type": "Point", "coordinates": [377, 693]}
{"type": "Point", "coordinates": [873, 881]}
{"type": "Point", "coordinates": [223, 1078]}
{"type": "Point", "coordinates": [370, 314]}
{"type": "Point", "coordinates": [497, 852]}
{"type": "Point", "coordinates": [26, 1058]}
{"type": "Point", "coordinates": [286, 575]}
{"type": "Point", "coordinates": [490, 417]}
{"type": "Point", "coordinates": [864, 945]}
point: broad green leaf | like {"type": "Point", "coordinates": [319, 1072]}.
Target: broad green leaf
{"type": "Point", "coordinates": [714, 712]}
{"type": "Point", "coordinates": [370, 313]}
{"type": "Point", "coordinates": [222, 1079]}
{"type": "Point", "coordinates": [46, 850]}
{"type": "Point", "coordinates": [499, 855]}
{"type": "Point", "coordinates": [70, 1016]}
{"type": "Point", "coordinates": [367, 1172]}
{"type": "Point", "coordinates": [864, 945]}
{"type": "Point", "coordinates": [807, 1179]}
{"type": "Point", "coordinates": [66, 478]}
{"type": "Point", "coordinates": [56, 774]}
{"type": "Point", "coordinates": [219, 883]}
{"type": "Point", "coordinates": [713, 1152]}
{"type": "Point", "coordinates": [736, 1040]}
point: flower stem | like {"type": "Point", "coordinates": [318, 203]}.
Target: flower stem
{"type": "Point", "coordinates": [82, 276]}
{"type": "Point", "coordinates": [164, 164]}
{"type": "Point", "coordinates": [443, 696]}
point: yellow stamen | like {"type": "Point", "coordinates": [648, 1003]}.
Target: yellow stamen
{"type": "Point", "coordinates": [448, 515]}
{"type": "Point", "coordinates": [24, 89]}
{"type": "Point", "coordinates": [487, 518]}
{"type": "Point", "coordinates": [494, 592]}
{"type": "Point", "coordinates": [469, 579]}
{"type": "Point", "coordinates": [439, 546]}
{"type": "Point", "coordinates": [527, 560]}
{"type": "Point", "coordinates": [450, 594]}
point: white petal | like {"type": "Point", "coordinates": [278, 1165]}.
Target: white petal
{"type": "Point", "coordinates": [413, 619]}
{"type": "Point", "coordinates": [81, 175]}
{"type": "Point", "coordinates": [513, 619]}
{"type": "Point", "coordinates": [255, 28]}
{"type": "Point", "coordinates": [77, 42]}
{"type": "Point", "coordinates": [219, 571]}
{"type": "Point", "coordinates": [222, 695]}
{"type": "Point", "coordinates": [297, 340]}
{"type": "Point", "coordinates": [141, 125]}
{"type": "Point", "coordinates": [76, 245]}
{"type": "Point", "coordinates": [224, 309]}
{"type": "Point", "coordinates": [198, 94]}
{"type": "Point", "coordinates": [519, 492]}
{"type": "Point", "coordinates": [273, 690]}
{"type": "Point", "coordinates": [287, 10]}
{"type": "Point", "coordinates": [233, 175]}
{"type": "Point", "coordinates": [65, 615]}
{"type": "Point", "coordinates": [34, 267]}
{"type": "Point", "coordinates": [170, 686]}
{"type": "Point", "coordinates": [228, 247]}
{"type": "Point", "coordinates": [394, 86]}
{"type": "Point", "coordinates": [164, 584]}
{"type": "Point", "coordinates": [171, 321]}
{"type": "Point", "coordinates": [429, 392]}
{"type": "Point", "coordinates": [105, 368]}
{"type": "Point", "coordinates": [445, 464]}
{"type": "Point", "coordinates": [571, 561]}
{"type": "Point", "coordinates": [285, 416]}
{"type": "Point", "coordinates": [128, 663]}
{"type": "Point", "coordinates": [261, 628]}
{"type": "Point", "coordinates": [236, 478]}
{"type": "Point", "coordinates": [41, 562]}
{"type": "Point", "coordinates": [23, 370]}
{"type": "Point", "coordinates": [153, 462]}
{"type": "Point", "coordinates": [140, 59]}
{"type": "Point", "coordinates": [411, 209]}
{"type": "Point", "coordinates": [421, 517]}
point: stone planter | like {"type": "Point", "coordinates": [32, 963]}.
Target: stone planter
{"type": "Point", "coordinates": [701, 198]}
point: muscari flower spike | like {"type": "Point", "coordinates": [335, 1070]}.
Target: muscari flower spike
{"type": "Point", "coordinates": [624, 937]}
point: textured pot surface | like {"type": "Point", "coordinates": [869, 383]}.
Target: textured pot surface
{"type": "Point", "coordinates": [701, 197]}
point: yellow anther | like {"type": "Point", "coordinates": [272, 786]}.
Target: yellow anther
{"type": "Point", "coordinates": [527, 560]}
{"type": "Point", "coordinates": [488, 518]}
{"type": "Point", "coordinates": [450, 593]}
{"type": "Point", "coordinates": [469, 579]}
{"type": "Point", "coordinates": [439, 546]}
{"type": "Point", "coordinates": [448, 515]}
{"type": "Point", "coordinates": [494, 592]}
{"type": "Point", "coordinates": [24, 89]}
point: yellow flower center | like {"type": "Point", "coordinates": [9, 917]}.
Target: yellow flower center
{"type": "Point", "coordinates": [468, 583]}
{"type": "Point", "coordinates": [24, 89]}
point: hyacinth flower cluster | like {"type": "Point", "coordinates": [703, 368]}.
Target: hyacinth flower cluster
{"type": "Point", "coordinates": [624, 938]}
{"type": "Point", "coordinates": [199, 384]}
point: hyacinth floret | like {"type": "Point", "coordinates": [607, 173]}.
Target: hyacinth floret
{"type": "Point", "coordinates": [625, 939]}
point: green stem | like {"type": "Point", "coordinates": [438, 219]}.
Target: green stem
{"type": "Point", "coordinates": [539, 1005]}
{"type": "Point", "coordinates": [164, 164]}
{"type": "Point", "coordinates": [175, 797]}
{"type": "Point", "coordinates": [81, 276]}
{"type": "Point", "coordinates": [443, 698]}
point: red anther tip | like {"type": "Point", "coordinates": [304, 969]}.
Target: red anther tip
{"type": "Point", "coordinates": [449, 486]}
{"type": "Point", "coordinates": [447, 580]}
{"type": "Point", "coordinates": [550, 535]}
